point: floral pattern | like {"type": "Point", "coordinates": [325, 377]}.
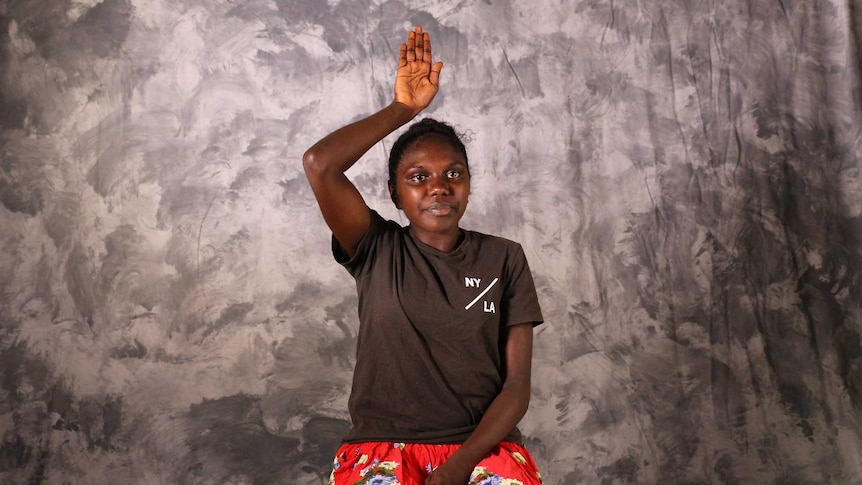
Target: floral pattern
{"type": "Point", "coordinates": [382, 463]}
{"type": "Point", "coordinates": [481, 476]}
{"type": "Point", "coordinates": [378, 473]}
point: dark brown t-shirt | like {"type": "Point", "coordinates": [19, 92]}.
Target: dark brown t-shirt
{"type": "Point", "coordinates": [429, 359]}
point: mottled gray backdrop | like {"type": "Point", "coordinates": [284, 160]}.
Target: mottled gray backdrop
{"type": "Point", "coordinates": [684, 177]}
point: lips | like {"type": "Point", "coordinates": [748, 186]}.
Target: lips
{"type": "Point", "coordinates": [440, 208]}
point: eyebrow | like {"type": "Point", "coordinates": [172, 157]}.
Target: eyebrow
{"type": "Point", "coordinates": [453, 164]}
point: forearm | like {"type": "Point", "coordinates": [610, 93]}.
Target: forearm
{"type": "Point", "coordinates": [507, 408]}
{"type": "Point", "coordinates": [502, 416]}
{"type": "Point", "coordinates": [338, 151]}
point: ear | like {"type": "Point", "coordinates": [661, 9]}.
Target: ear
{"type": "Point", "coordinates": [393, 194]}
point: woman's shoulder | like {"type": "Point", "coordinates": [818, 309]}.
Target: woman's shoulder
{"type": "Point", "coordinates": [494, 241]}
{"type": "Point", "coordinates": [383, 224]}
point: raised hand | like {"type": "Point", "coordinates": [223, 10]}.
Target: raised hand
{"type": "Point", "coordinates": [418, 79]}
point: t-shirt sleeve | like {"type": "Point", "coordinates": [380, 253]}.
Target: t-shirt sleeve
{"type": "Point", "coordinates": [364, 252]}
{"type": "Point", "coordinates": [520, 301]}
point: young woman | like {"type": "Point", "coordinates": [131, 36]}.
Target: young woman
{"type": "Point", "coordinates": [446, 315]}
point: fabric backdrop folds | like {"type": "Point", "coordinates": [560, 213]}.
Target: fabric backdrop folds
{"type": "Point", "coordinates": [683, 175]}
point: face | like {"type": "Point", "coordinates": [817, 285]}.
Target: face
{"type": "Point", "coordinates": [432, 185]}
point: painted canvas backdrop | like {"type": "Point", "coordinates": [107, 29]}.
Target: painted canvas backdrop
{"type": "Point", "coordinates": [683, 175]}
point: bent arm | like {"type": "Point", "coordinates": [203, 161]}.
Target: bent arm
{"type": "Point", "coordinates": [326, 162]}
{"type": "Point", "coordinates": [502, 416]}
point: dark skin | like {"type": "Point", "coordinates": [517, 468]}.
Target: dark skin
{"type": "Point", "coordinates": [343, 207]}
{"type": "Point", "coordinates": [432, 186]}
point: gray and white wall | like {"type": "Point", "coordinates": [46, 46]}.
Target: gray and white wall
{"type": "Point", "coordinates": [683, 175]}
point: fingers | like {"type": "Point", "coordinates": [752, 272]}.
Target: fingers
{"type": "Point", "coordinates": [418, 45]}
{"type": "Point", "coordinates": [421, 38]}
{"type": "Point", "coordinates": [402, 56]}
{"type": "Point", "coordinates": [417, 48]}
{"type": "Point", "coordinates": [426, 48]}
{"type": "Point", "coordinates": [411, 47]}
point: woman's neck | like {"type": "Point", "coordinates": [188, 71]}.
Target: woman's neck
{"type": "Point", "coordinates": [443, 242]}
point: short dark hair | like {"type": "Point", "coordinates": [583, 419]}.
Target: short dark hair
{"type": "Point", "coordinates": [418, 130]}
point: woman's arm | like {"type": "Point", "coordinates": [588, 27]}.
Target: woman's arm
{"type": "Point", "coordinates": [502, 416]}
{"type": "Point", "coordinates": [325, 163]}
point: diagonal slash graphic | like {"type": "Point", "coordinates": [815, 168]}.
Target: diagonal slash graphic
{"type": "Point", "coordinates": [481, 294]}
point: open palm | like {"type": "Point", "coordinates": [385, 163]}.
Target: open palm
{"type": "Point", "coordinates": [418, 78]}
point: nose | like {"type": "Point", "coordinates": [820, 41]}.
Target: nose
{"type": "Point", "coordinates": [438, 186]}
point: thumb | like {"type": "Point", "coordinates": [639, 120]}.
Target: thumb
{"type": "Point", "coordinates": [435, 73]}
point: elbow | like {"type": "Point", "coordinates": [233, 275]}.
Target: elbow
{"type": "Point", "coordinates": [316, 166]}
{"type": "Point", "coordinates": [522, 399]}
{"type": "Point", "coordinates": [310, 163]}
{"type": "Point", "coordinates": [519, 397]}
{"type": "Point", "coordinates": [523, 405]}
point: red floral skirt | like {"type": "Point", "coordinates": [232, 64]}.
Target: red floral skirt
{"type": "Point", "coordinates": [386, 463]}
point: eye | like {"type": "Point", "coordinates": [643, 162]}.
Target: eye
{"type": "Point", "coordinates": [417, 177]}
{"type": "Point", "coordinates": [453, 174]}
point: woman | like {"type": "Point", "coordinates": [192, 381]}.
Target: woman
{"type": "Point", "coordinates": [446, 315]}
